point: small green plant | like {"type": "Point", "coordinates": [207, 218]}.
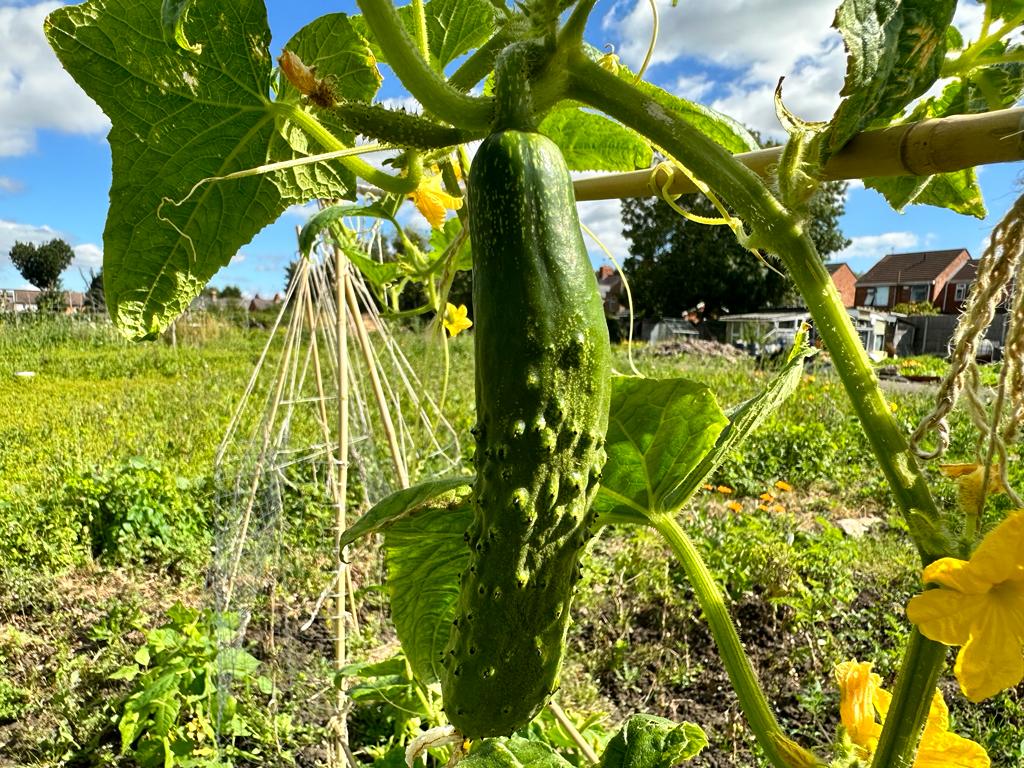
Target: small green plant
{"type": "Point", "coordinates": [182, 702]}
{"type": "Point", "coordinates": [138, 512]}
{"type": "Point", "coordinates": [13, 700]}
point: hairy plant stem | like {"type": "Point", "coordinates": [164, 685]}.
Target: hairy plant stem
{"type": "Point", "coordinates": [315, 130]}
{"type": "Point", "coordinates": [741, 673]}
{"type": "Point", "coordinates": [774, 228]}
{"type": "Point", "coordinates": [480, 62]}
{"type": "Point", "coordinates": [427, 86]}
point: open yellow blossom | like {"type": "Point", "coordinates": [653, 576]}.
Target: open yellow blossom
{"type": "Point", "coordinates": [980, 606]}
{"type": "Point", "coordinates": [782, 485]}
{"type": "Point", "coordinates": [433, 202]}
{"type": "Point", "coordinates": [735, 506]}
{"type": "Point", "coordinates": [724, 489]}
{"type": "Point", "coordinates": [455, 319]}
{"type": "Point", "coordinates": [861, 695]}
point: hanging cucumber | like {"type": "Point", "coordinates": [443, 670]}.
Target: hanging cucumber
{"type": "Point", "coordinates": [542, 395]}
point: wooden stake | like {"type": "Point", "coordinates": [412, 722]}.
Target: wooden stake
{"type": "Point", "coordinates": [341, 491]}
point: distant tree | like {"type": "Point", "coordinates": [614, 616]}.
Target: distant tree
{"type": "Point", "coordinates": [289, 274]}
{"type": "Point", "coordinates": [94, 296]}
{"type": "Point", "coordinates": [676, 265]}
{"type": "Point", "coordinates": [227, 292]}
{"type": "Point", "coordinates": [41, 265]}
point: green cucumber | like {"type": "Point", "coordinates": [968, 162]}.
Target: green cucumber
{"type": "Point", "coordinates": [543, 384]}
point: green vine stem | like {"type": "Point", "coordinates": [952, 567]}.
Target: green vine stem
{"type": "Point", "coordinates": [741, 673]}
{"type": "Point", "coordinates": [427, 86]}
{"type": "Point", "coordinates": [480, 62]}
{"type": "Point", "coordinates": [972, 58]}
{"type": "Point", "coordinates": [314, 129]}
{"type": "Point", "coordinates": [774, 228]}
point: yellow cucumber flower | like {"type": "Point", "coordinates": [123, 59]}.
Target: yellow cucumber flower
{"type": "Point", "coordinates": [980, 606]}
{"type": "Point", "coordinates": [970, 478]}
{"type": "Point", "coordinates": [857, 688]}
{"type": "Point", "coordinates": [861, 695]}
{"type": "Point", "coordinates": [433, 202]}
{"type": "Point", "coordinates": [455, 319]}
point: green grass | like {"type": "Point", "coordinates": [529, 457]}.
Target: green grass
{"type": "Point", "coordinates": [108, 430]}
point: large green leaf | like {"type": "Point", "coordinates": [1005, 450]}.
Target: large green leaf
{"type": "Point", "coordinates": [514, 752]}
{"type": "Point", "coordinates": [647, 741]}
{"type": "Point", "coordinates": [179, 117]}
{"type": "Point", "coordinates": [659, 430]}
{"type": "Point", "coordinates": [623, 495]}
{"type": "Point", "coordinates": [454, 27]}
{"type": "Point", "coordinates": [591, 142]}
{"type": "Point", "coordinates": [457, 26]}
{"type": "Point", "coordinates": [1006, 9]}
{"type": "Point", "coordinates": [426, 552]}
{"type": "Point", "coordinates": [340, 54]}
{"type": "Point", "coordinates": [894, 53]}
{"type": "Point", "coordinates": [958, 191]}
{"type": "Point", "coordinates": [402, 503]}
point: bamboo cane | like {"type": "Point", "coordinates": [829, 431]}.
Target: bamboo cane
{"type": "Point", "coordinates": [939, 145]}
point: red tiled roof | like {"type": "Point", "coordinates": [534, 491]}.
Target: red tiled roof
{"type": "Point", "coordinates": [967, 273]}
{"type": "Point", "coordinates": [904, 268]}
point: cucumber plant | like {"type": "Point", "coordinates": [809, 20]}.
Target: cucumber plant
{"type": "Point", "coordinates": [547, 408]}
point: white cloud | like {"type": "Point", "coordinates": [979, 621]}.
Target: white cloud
{"type": "Point", "coordinates": [968, 19]}
{"type": "Point", "coordinates": [35, 92]}
{"type": "Point", "coordinates": [604, 219]}
{"type": "Point", "coordinates": [864, 250]}
{"type": "Point", "coordinates": [771, 35]}
{"type": "Point", "coordinates": [9, 185]}
{"type": "Point", "coordinates": [87, 256]}
{"type": "Point", "coordinates": [693, 87]}
{"type": "Point", "coordinates": [408, 103]}
{"type": "Point", "coordinates": [811, 92]}
{"type": "Point", "coordinates": [238, 258]}
{"type": "Point", "coordinates": [758, 40]}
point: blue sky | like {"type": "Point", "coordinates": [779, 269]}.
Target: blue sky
{"type": "Point", "coordinates": [55, 163]}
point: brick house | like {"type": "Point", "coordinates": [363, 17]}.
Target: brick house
{"type": "Point", "coordinates": [26, 300]}
{"type": "Point", "coordinates": [910, 278]}
{"type": "Point", "coordinates": [955, 295]}
{"type": "Point", "coordinates": [845, 281]}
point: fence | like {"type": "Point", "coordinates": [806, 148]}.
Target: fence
{"type": "Point", "coordinates": [931, 334]}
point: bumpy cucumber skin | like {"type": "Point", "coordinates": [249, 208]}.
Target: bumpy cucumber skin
{"type": "Point", "coordinates": [543, 384]}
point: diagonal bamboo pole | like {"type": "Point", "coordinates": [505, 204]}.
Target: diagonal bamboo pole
{"type": "Point", "coordinates": [923, 148]}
